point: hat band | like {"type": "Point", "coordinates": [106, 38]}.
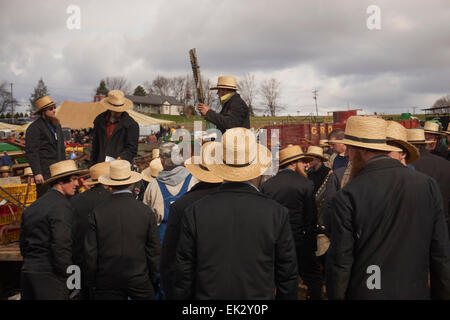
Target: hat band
{"type": "Point", "coordinates": [47, 105]}
{"type": "Point", "coordinates": [364, 140]}
{"type": "Point", "coordinates": [121, 179]}
{"type": "Point", "coordinates": [203, 167]}
{"type": "Point", "coordinates": [293, 157]}
{"type": "Point", "coordinates": [116, 105]}
{"type": "Point", "coordinates": [238, 165]}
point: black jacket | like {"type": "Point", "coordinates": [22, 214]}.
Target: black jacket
{"type": "Point", "coordinates": [296, 193]}
{"type": "Point", "coordinates": [172, 233]}
{"type": "Point", "coordinates": [83, 204]}
{"type": "Point", "coordinates": [318, 176]}
{"type": "Point", "coordinates": [235, 243]}
{"type": "Point", "coordinates": [42, 148]}
{"type": "Point", "coordinates": [45, 236]}
{"type": "Point", "coordinates": [234, 113]}
{"type": "Point", "coordinates": [122, 244]}
{"type": "Point", "coordinates": [441, 150]}
{"type": "Point", "coordinates": [123, 142]}
{"type": "Point", "coordinates": [391, 217]}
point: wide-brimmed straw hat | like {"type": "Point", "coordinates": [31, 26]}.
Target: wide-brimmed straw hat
{"type": "Point", "coordinates": [240, 157]}
{"type": "Point", "coordinates": [96, 171]}
{"type": "Point", "coordinates": [43, 103]}
{"type": "Point", "coordinates": [27, 172]}
{"type": "Point", "coordinates": [197, 167]}
{"type": "Point", "coordinates": [155, 153]}
{"type": "Point", "coordinates": [417, 136]}
{"type": "Point", "coordinates": [225, 82]}
{"type": "Point", "coordinates": [63, 169]}
{"type": "Point", "coordinates": [116, 101]}
{"type": "Point", "coordinates": [153, 169]}
{"type": "Point", "coordinates": [293, 153]}
{"type": "Point", "coordinates": [316, 152]}
{"type": "Point", "coordinates": [120, 174]}
{"type": "Point", "coordinates": [368, 133]}
{"type": "Point", "coordinates": [397, 133]}
{"type": "Point", "coordinates": [5, 169]}
{"type": "Point", "coordinates": [323, 143]}
{"type": "Point", "coordinates": [433, 128]}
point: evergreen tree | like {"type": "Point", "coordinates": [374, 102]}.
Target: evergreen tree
{"type": "Point", "coordinates": [2, 116]}
{"type": "Point", "coordinates": [39, 91]}
{"type": "Point", "coordinates": [102, 90]}
{"type": "Point", "coordinates": [139, 91]}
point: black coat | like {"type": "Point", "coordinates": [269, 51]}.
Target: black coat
{"type": "Point", "coordinates": [296, 193]}
{"type": "Point", "coordinates": [441, 150]}
{"type": "Point", "coordinates": [123, 142]}
{"type": "Point", "coordinates": [122, 244]}
{"type": "Point", "coordinates": [388, 216]}
{"type": "Point", "coordinates": [46, 234]}
{"type": "Point", "coordinates": [236, 243]}
{"type": "Point", "coordinates": [83, 204]}
{"type": "Point", "coordinates": [234, 113]}
{"type": "Point", "coordinates": [318, 176]}
{"type": "Point", "coordinates": [42, 148]}
{"type": "Point", "coordinates": [172, 233]}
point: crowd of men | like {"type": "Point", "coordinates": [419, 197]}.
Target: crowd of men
{"type": "Point", "coordinates": [369, 221]}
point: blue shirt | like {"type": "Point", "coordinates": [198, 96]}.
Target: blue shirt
{"type": "Point", "coordinates": [339, 162]}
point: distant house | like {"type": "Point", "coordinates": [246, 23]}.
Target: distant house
{"type": "Point", "coordinates": [156, 104]}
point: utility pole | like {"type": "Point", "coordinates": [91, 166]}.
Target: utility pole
{"type": "Point", "coordinates": [12, 104]}
{"type": "Point", "coordinates": [315, 92]}
{"type": "Point", "coordinates": [414, 110]}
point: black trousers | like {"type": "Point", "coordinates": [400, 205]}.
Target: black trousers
{"type": "Point", "coordinates": [42, 286]}
{"type": "Point", "coordinates": [309, 268]}
{"type": "Point", "coordinates": [142, 292]}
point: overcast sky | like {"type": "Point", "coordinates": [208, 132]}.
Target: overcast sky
{"type": "Point", "coordinates": [320, 44]}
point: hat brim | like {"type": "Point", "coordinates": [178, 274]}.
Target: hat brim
{"type": "Point", "coordinates": [372, 146]}
{"type": "Point", "coordinates": [302, 156]}
{"type": "Point", "coordinates": [128, 104]}
{"type": "Point", "coordinates": [44, 107]}
{"type": "Point", "coordinates": [413, 142]}
{"type": "Point", "coordinates": [223, 87]}
{"type": "Point", "coordinates": [146, 175]}
{"type": "Point", "coordinates": [411, 151]}
{"type": "Point", "coordinates": [434, 132]}
{"type": "Point", "coordinates": [198, 172]}
{"type": "Point", "coordinates": [68, 173]}
{"type": "Point", "coordinates": [107, 181]}
{"type": "Point", "coordinates": [90, 182]}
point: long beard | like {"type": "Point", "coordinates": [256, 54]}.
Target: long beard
{"type": "Point", "coordinates": [357, 165]}
{"type": "Point", "coordinates": [54, 121]}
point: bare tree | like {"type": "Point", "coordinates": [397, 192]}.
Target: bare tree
{"type": "Point", "coordinates": [159, 86]}
{"type": "Point", "coordinates": [442, 102]}
{"type": "Point", "coordinates": [270, 92]}
{"type": "Point", "coordinates": [248, 90]}
{"type": "Point", "coordinates": [117, 83]}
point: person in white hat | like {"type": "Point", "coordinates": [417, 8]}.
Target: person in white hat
{"type": "Point", "coordinates": [46, 236]}
{"type": "Point", "coordinates": [115, 134]}
{"type": "Point", "coordinates": [122, 245]}
{"type": "Point", "coordinates": [234, 113]}
{"type": "Point", "coordinates": [44, 142]}
{"type": "Point", "coordinates": [388, 229]}
{"type": "Point", "coordinates": [236, 243]}
{"type": "Point", "coordinates": [434, 133]}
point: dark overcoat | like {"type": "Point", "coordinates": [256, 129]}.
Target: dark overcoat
{"type": "Point", "coordinates": [234, 113]}
{"type": "Point", "coordinates": [123, 142]}
{"type": "Point", "coordinates": [42, 148]}
{"type": "Point", "coordinates": [388, 232]}
{"type": "Point", "coordinates": [236, 243]}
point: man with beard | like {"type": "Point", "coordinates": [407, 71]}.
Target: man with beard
{"type": "Point", "coordinates": [388, 225]}
{"type": "Point", "coordinates": [292, 189]}
{"type": "Point", "coordinates": [44, 142]}
{"type": "Point", "coordinates": [434, 134]}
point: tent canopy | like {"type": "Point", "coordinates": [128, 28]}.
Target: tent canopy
{"type": "Point", "coordinates": [7, 126]}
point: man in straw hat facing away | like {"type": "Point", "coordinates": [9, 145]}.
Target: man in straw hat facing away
{"type": "Point", "coordinates": [434, 134]}
{"type": "Point", "coordinates": [83, 204]}
{"type": "Point", "coordinates": [388, 228]}
{"type": "Point", "coordinates": [208, 183]}
{"type": "Point", "coordinates": [46, 236]}
{"type": "Point", "coordinates": [234, 111]}
{"type": "Point", "coordinates": [292, 189]}
{"type": "Point", "coordinates": [235, 242]}
{"type": "Point", "coordinates": [397, 136]}
{"type": "Point", "coordinates": [44, 142]}
{"type": "Point", "coordinates": [115, 133]}
{"type": "Point", "coordinates": [122, 246]}
{"type": "Point", "coordinates": [433, 166]}
{"type": "Point", "coordinates": [149, 174]}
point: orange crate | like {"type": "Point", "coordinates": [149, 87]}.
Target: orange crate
{"type": "Point", "coordinates": [18, 191]}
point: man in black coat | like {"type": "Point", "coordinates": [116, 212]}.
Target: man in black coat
{"type": "Point", "coordinates": [234, 113]}
{"type": "Point", "coordinates": [115, 133]}
{"type": "Point", "coordinates": [292, 189]}
{"type": "Point", "coordinates": [236, 243]}
{"type": "Point", "coordinates": [83, 204]}
{"type": "Point", "coordinates": [207, 183]}
{"type": "Point", "coordinates": [122, 243]}
{"type": "Point", "coordinates": [388, 231]}
{"type": "Point", "coordinates": [44, 142]}
{"type": "Point", "coordinates": [46, 237]}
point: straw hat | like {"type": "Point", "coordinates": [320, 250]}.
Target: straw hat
{"type": "Point", "coordinates": [96, 171]}
{"type": "Point", "coordinates": [153, 170]}
{"type": "Point", "coordinates": [63, 169]}
{"type": "Point", "coordinates": [433, 128]}
{"type": "Point", "coordinates": [225, 82]}
{"type": "Point", "coordinates": [155, 153]}
{"type": "Point", "coordinates": [120, 174]}
{"type": "Point", "coordinates": [369, 133]}
{"type": "Point", "coordinates": [197, 167]}
{"type": "Point", "coordinates": [323, 243]}
{"type": "Point", "coordinates": [5, 169]}
{"type": "Point", "coordinates": [316, 152]}
{"type": "Point", "coordinates": [240, 158]}
{"type": "Point", "coordinates": [292, 153]}
{"type": "Point", "coordinates": [323, 143]}
{"type": "Point", "coordinates": [397, 133]}
{"type": "Point", "coordinates": [43, 103]}
{"type": "Point", "coordinates": [27, 172]}
{"type": "Point", "coordinates": [417, 136]}
{"type": "Point", "coordinates": [116, 101]}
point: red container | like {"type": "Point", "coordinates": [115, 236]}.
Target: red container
{"type": "Point", "coordinates": [342, 116]}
